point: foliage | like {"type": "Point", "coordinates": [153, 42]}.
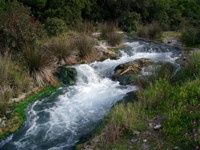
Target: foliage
{"type": "Point", "coordinates": [38, 4]}
{"type": "Point", "coordinates": [61, 49]}
{"type": "Point", "coordinates": [55, 26]}
{"type": "Point", "coordinates": [85, 46]}
{"type": "Point", "coordinates": [191, 36]}
{"type": "Point", "coordinates": [41, 65]}
{"type": "Point", "coordinates": [18, 27]}
{"type": "Point", "coordinates": [14, 80]}
{"type": "Point", "coordinates": [151, 31]}
{"type": "Point", "coordinates": [129, 21]}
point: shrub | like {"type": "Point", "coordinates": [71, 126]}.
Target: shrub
{"type": "Point", "coordinates": [151, 31]}
{"type": "Point", "coordinates": [191, 36]}
{"type": "Point", "coordinates": [129, 21]}
{"type": "Point", "coordinates": [18, 27]}
{"type": "Point", "coordinates": [55, 26]}
{"type": "Point", "coordinates": [13, 76]}
{"type": "Point", "coordinates": [114, 38]}
{"type": "Point", "coordinates": [61, 49]}
{"type": "Point", "coordinates": [41, 65]}
{"type": "Point", "coordinates": [85, 46]}
{"type": "Point", "coordinates": [106, 29]}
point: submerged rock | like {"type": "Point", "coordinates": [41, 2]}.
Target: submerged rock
{"type": "Point", "coordinates": [66, 75]}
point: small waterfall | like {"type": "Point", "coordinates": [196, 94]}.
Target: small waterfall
{"type": "Point", "coordinates": [59, 121]}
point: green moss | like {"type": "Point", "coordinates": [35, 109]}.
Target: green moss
{"type": "Point", "coordinates": [130, 34]}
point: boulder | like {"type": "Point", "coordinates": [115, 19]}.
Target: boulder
{"type": "Point", "coordinates": [131, 67]}
{"type": "Point", "coordinates": [66, 75]}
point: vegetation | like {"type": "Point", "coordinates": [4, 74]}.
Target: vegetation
{"type": "Point", "coordinates": [55, 26]}
{"type": "Point", "coordinates": [61, 49]}
{"type": "Point", "coordinates": [41, 65]}
{"type": "Point", "coordinates": [13, 80]}
{"type": "Point", "coordinates": [175, 103]}
{"type": "Point", "coordinates": [191, 36]}
{"type": "Point", "coordinates": [85, 46]}
{"type": "Point", "coordinates": [150, 31]}
{"type": "Point", "coordinates": [18, 27]}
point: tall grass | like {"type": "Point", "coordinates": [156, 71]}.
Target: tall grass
{"type": "Point", "coordinates": [41, 65]}
{"type": "Point", "coordinates": [109, 33]}
{"type": "Point", "coordinates": [150, 31]}
{"type": "Point", "coordinates": [61, 49]}
{"type": "Point", "coordinates": [14, 80]}
{"type": "Point", "coordinates": [85, 46]}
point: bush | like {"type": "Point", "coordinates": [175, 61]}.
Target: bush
{"type": "Point", "coordinates": [18, 27]}
{"type": "Point", "coordinates": [114, 38]}
{"type": "Point", "coordinates": [61, 49]}
{"type": "Point", "coordinates": [150, 31]}
{"type": "Point", "coordinates": [85, 46]}
{"type": "Point", "coordinates": [129, 21]}
{"type": "Point", "coordinates": [55, 26]}
{"type": "Point", "coordinates": [106, 29]}
{"type": "Point", "coordinates": [41, 65]}
{"type": "Point", "coordinates": [191, 36]}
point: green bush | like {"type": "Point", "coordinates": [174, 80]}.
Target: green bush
{"type": "Point", "coordinates": [129, 21]}
{"type": "Point", "coordinates": [191, 36]}
{"type": "Point", "coordinates": [150, 31]}
{"type": "Point", "coordinates": [55, 26]}
{"type": "Point", "coordinates": [41, 65]}
{"type": "Point", "coordinates": [18, 27]}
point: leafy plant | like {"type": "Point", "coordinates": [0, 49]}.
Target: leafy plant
{"type": "Point", "coordinates": [55, 26]}
{"type": "Point", "coordinates": [191, 36]}
{"type": "Point", "coordinates": [129, 21]}
{"type": "Point", "coordinates": [18, 27]}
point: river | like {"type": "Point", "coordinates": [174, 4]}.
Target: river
{"type": "Point", "coordinates": [59, 121]}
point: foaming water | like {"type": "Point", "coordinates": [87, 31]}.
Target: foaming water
{"type": "Point", "coordinates": [59, 121]}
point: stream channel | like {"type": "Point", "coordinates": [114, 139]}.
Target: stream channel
{"type": "Point", "coordinates": [59, 121]}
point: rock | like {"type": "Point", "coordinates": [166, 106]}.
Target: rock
{"type": "Point", "coordinates": [134, 140]}
{"type": "Point", "coordinates": [151, 125]}
{"type": "Point", "coordinates": [3, 124]}
{"type": "Point", "coordinates": [176, 147]}
{"type": "Point", "coordinates": [66, 75]}
{"type": "Point", "coordinates": [158, 127]}
{"type": "Point", "coordinates": [1, 120]}
{"type": "Point", "coordinates": [144, 140]}
{"type": "Point", "coordinates": [136, 132]}
{"type": "Point", "coordinates": [131, 67]}
{"type": "Point", "coordinates": [8, 112]}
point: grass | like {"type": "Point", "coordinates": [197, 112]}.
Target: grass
{"type": "Point", "coordinates": [114, 38]}
{"type": "Point", "coordinates": [61, 49]}
{"type": "Point", "coordinates": [85, 46]}
{"type": "Point", "coordinates": [41, 65]}
{"type": "Point", "coordinates": [14, 80]}
{"type": "Point", "coordinates": [109, 33]}
{"type": "Point", "coordinates": [175, 102]}
{"type": "Point", "coordinates": [150, 31]}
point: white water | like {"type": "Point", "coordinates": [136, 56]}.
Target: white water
{"type": "Point", "coordinates": [59, 121]}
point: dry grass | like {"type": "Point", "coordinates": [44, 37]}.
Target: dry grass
{"type": "Point", "coordinates": [41, 65]}
{"type": "Point", "coordinates": [14, 80]}
{"type": "Point", "coordinates": [114, 38]}
{"type": "Point", "coordinates": [150, 31]}
{"type": "Point", "coordinates": [85, 46]}
{"type": "Point", "coordinates": [106, 29]}
{"type": "Point", "coordinates": [61, 49]}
